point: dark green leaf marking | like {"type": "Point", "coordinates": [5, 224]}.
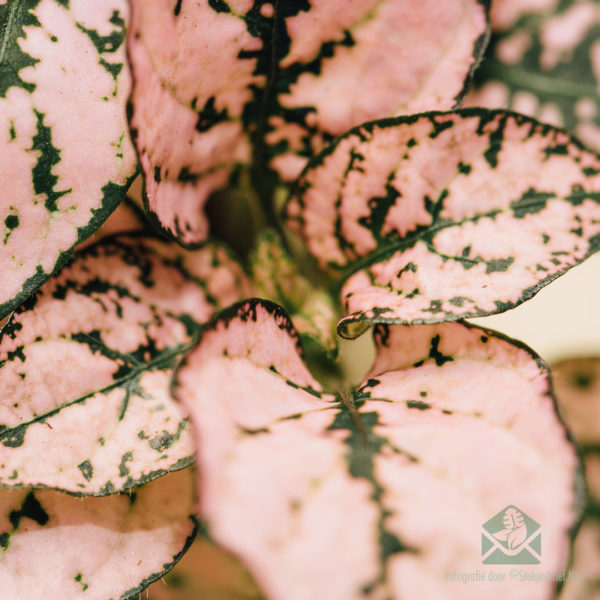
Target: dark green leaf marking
{"type": "Point", "coordinates": [15, 15]}
{"type": "Point", "coordinates": [86, 469]}
{"type": "Point", "coordinates": [363, 446]}
{"type": "Point", "coordinates": [30, 509]}
{"type": "Point", "coordinates": [43, 178]}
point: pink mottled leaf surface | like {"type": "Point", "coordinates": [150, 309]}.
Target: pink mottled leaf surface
{"type": "Point", "coordinates": [222, 88]}
{"type": "Point", "coordinates": [377, 492]}
{"type": "Point", "coordinates": [443, 216]}
{"type": "Point", "coordinates": [85, 365]}
{"type": "Point", "coordinates": [64, 148]}
{"type": "Point", "coordinates": [55, 546]}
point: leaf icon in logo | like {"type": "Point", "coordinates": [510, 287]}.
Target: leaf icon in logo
{"type": "Point", "coordinates": [515, 529]}
{"type": "Point", "coordinates": [513, 519]}
{"type": "Point", "coordinates": [517, 537]}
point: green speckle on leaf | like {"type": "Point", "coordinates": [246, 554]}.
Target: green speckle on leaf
{"type": "Point", "coordinates": [497, 265]}
{"type": "Point", "coordinates": [86, 469]}
{"type": "Point", "coordinates": [79, 579]}
{"type": "Point", "coordinates": [123, 469]}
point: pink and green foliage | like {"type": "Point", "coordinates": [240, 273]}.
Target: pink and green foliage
{"type": "Point", "coordinates": [309, 473]}
{"type": "Point", "coordinates": [65, 153]}
{"type": "Point", "coordinates": [444, 216]}
{"type": "Point", "coordinates": [544, 61]}
{"type": "Point", "coordinates": [57, 546]}
{"type": "Point", "coordinates": [113, 324]}
{"type": "Point", "coordinates": [228, 91]}
{"type": "Point", "coordinates": [129, 358]}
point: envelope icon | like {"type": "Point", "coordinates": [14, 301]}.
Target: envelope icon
{"type": "Point", "coordinates": [511, 537]}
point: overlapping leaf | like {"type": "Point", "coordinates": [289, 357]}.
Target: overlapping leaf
{"type": "Point", "coordinates": [277, 278]}
{"type": "Point", "coordinates": [65, 151]}
{"type": "Point", "coordinates": [228, 86]}
{"type": "Point", "coordinates": [55, 546]}
{"type": "Point", "coordinates": [85, 365]}
{"type": "Point", "coordinates": [452, 424]}
{"type": "Point", "coordinates": [544, 61]}
{"type": "Point", "coordinates": [442, 216]}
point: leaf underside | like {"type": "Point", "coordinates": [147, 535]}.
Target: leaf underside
{"type": "Point", "coordinates": [443, 216]}
{"type": "Point", "coordinates": [85, 365]}
{"type": "Point", "coordinates": [451, 424]}
{"type": "Point", "coordinates": [544, 61]}
{"type": "Point", "coordinates": [229, 90]}
{"type": "Point", "coordinates": [55, 546]}
{"type": "Point", "coordinates": [62, 75]}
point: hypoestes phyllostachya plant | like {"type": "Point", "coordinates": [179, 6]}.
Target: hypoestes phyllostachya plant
{"type": "Point", "coordinates": [304, 164]}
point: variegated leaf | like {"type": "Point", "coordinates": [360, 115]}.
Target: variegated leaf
{"type": "Point", "coordinates": [382, 492]}
{"type": "Point", "coordinates": [85, 365]}
{"type": "Point", "coordinates": [442, 216]}
{"type": "Point", "coordinates": [544, 61]}
{"type": "Point", "coordinates": [276, 277]}
{"type": "Point", "coordinates": [65, 152]}
{"type": "Point", "coordinates": [577, 386]}
{"type": "Point", "coordinates": [240, 85]}
{"type": "Point", "coordinates": [55, 546]}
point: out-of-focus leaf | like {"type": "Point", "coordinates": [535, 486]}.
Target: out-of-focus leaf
{"type": "Point", "coordinates": [276, 278]}
{"type": "Point", "coordinates": [380, 492]}
{"type": "Point", "coordinates": [65, 152]}
{"type": "Point", "coordinates": [443, 216]}
{"type": "Point", "coordinates": [544, 61]}
{"type": "Point", "coordinates": [577, 387]}
{"type": "Point", "coordinates": [85, 365]}
{"type": "Point", "coordinates": [206, 572]}
{"type": "Point", "coordinates": [55, 546]}
{"type": "Point", "coordinates": [233, 86]}
{"type": "Point", "coordinates": [577, 384]}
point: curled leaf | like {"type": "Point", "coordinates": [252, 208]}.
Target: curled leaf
{"type": "Point", "coordinates": [63, 87]}
{"type": "Point", "coordinates": [372, 491]}
{"type": "Point", "coordinates": [229, 90]}
{"type": "Point", "coordinates": [85, 365]}
{"type": "Point", "coordinates": [56, 546]}
{"type": "Point", "coordinates": [443, 216]}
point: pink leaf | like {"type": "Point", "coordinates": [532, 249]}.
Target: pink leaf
{"type": "Point", "coordinates": [66, 155]}
{"type": "Point", "coordinates": [381, 492]}
{"type": "Point", "coordinates": [229, 88]}
{"type": "Point", "coordinates": [443, 216]}
{"type": "Point", "coordinates": [57, 546]}
{"type": "Point", "coordinates": [85, 365]}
